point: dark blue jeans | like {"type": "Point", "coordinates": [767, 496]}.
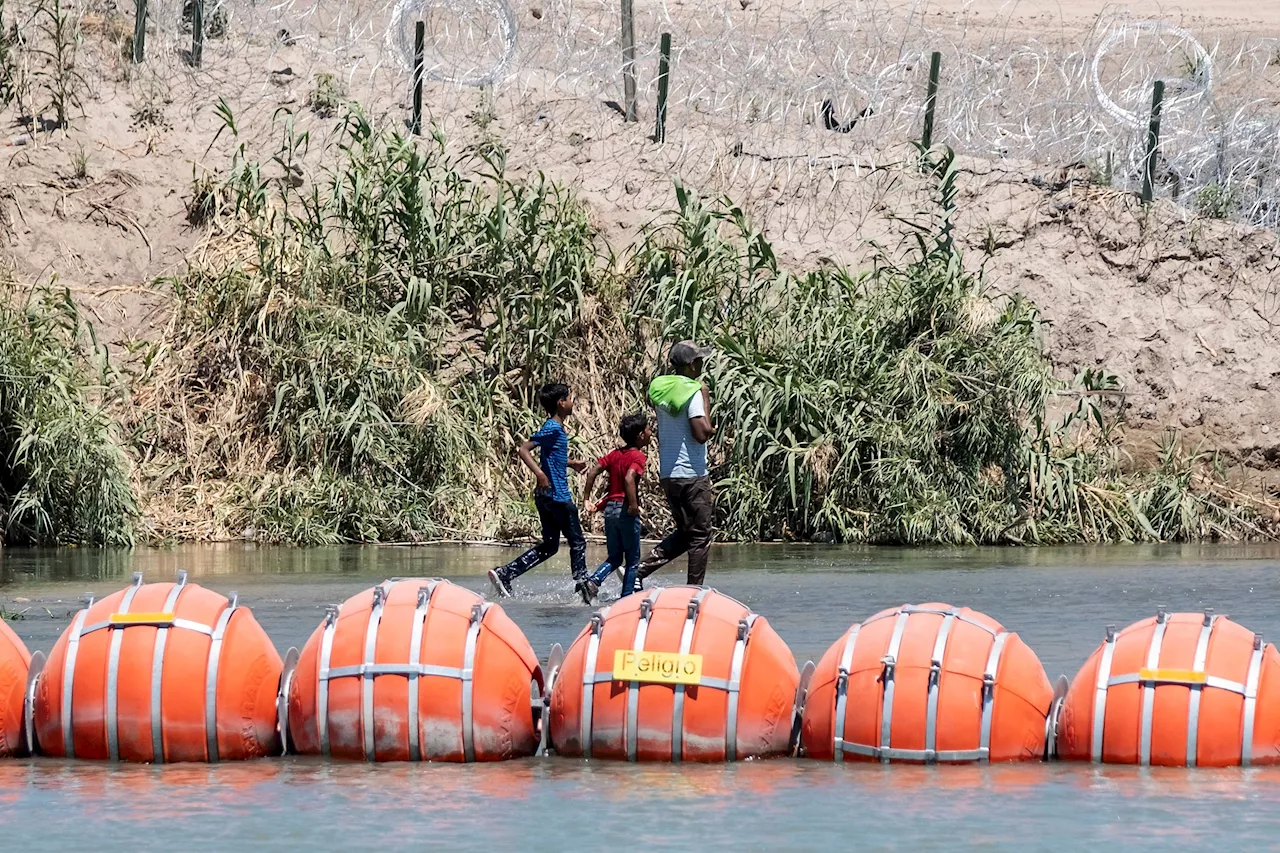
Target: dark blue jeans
{"type": "Point", "coordinates": [557, 517]}
{"type": "Point", "coordinates": [622, 535]}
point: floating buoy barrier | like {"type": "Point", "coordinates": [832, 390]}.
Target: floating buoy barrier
{"type": "Point", "coordinates": [927, 683]}
{"type": "Point", "coordinates": [424, 669]}
{"type": "Point", "coordinates": [160, 672]}
{"type": "Point", "coordinates": [15, 661]}
{"type": "Point", "coordinates": [415, 670]}
{"type": "Point", "coordinates": [1180, 689]}
{"type": "Point", "coordinates": [684, 673]}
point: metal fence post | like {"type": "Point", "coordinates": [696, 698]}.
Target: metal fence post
{"type": "Point", "coordinates": [1153, 143]}
{"type": "Point", "coordinates": [664, 82]}
{"type": "Point", "coordinates": [628, 61]}
{"type": "Point", "coordinates": [419, 48]}
{"type": "Point", "coordinates": [139, 30]}
{"type": "Point", "coordinates": [197, 32]}
{"type": "Point", "coordinates": [931, 100]}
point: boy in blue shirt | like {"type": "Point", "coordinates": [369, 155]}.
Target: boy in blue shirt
{"type": "Point", "coordinates": [556, 509]}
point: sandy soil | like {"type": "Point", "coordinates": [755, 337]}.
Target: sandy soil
{"type": "Point", "coordinates": [1182, 309]}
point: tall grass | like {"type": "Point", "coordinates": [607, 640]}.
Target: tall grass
{"type": "Point", "coordinates": [357, 355]}
{"type": "Point", "coordinates": [904, 404]}
{"type": "Point", "coordinates": [365, 347]}
{"type": "Point", "coordinates": [63, 476]}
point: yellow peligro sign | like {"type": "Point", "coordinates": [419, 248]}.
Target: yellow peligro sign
{"type": "Point", "coordinates": [657, 667]}
{"type": "Point", "coordinates": [157, 619]}
{"type": "Point", "coordinates": [1176, 676]}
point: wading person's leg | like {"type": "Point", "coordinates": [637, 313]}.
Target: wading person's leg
{"type": "Point", "coordinates": [700, 512]}
{"type": "Point", "coordinates": [571, 527]}
{"type": "Point", "coordinates": [630, 535]}
{"type": "Point", "coordinates": [544, 550]}
{"type": "Point", "coordinates": [613, 537]}
{"type": "Point", "coordinates": [677, 542]}
{"type": "Point", "coordinates": [613, 541]}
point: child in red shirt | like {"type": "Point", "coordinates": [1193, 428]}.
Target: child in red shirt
{"type": "Point", "coordinates": [625, 467]}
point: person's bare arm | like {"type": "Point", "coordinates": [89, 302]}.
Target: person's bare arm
{"type": "Point", "coordinates": [587, 487]}
{"type": "Point", "coordinates": [526, 456]}
{"type": "Point", "coordinates": [578, 465]}
{"type": "Point", "coordinates": [701, 426]}
{"type": "Point", "coordinates": [629, 486]}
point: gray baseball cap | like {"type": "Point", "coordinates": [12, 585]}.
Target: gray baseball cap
{"type": "Point", "coordinates": [687, 352]}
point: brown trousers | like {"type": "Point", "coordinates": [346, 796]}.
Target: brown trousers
{"type": "Point", "coordinates": [692, 506]}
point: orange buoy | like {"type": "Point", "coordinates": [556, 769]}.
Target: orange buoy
{"type": "Point", "coordinates": [613, 698]}
{"type": "Point", "coordinates": [160, 672]}
{"type": "Point", "coordinates": [1178, 690]}
{"type": "Point", "coordinates": [414, 670]}
{"type": "Point", "coordinates": [14, 662]}
{"type": "Point", "coordinates": [927, 683]}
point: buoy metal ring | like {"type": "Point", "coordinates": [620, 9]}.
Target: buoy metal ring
{"type": "Point", "coordinates": [542, 719]}
{"type": "Point", "coordinates": [1060, 686]}
{"type": "Point", "coordinates": [282, 699]}
{"type": "Point", "coordinates": [29, 702]}
{"type": "Point", "coordinates": [797, 714]}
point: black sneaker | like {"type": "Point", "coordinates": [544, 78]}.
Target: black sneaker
{"type": "Point", "coordinates": [501, 585]}
{"type": "Point", "coordinates": [587, 589]}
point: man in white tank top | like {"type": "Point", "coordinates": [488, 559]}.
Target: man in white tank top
{"type": "Point", "coordinates": [684, 426]}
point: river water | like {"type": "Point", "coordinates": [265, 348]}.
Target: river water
{"type": "Point", "coordinates": [1058, 599]}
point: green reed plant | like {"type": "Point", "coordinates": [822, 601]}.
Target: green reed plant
{"type": "Point", "coordinates": [356, 359]}
{"type": "Point", "coordinates": [384, 322]}
{"type": "Point", "coordinates": [57, 45]}
{"type": "Point", "coordinates": [64, 479]}
{"type": "Point", "coordinates": [905, 404]}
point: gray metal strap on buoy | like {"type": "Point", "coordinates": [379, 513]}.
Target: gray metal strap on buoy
{"type": "Point", "coordinates": [116, 623]}
{"type": "Point", "coordinates": [1100, 693]}
{"type": "Point", "coordinates": [415, 658]}
{"type": "Point", "coordinates": [735, 686]}
{"type": "Point", "coordinates": [989, 673]}
{"type": "Point", "coordinates": [935, 682]}
{"type": "Point", "coordinates": [369, 669]}
{"type": "Point", "coordinates": [1149, 687]}
{"type": "Point", "coordinates": [686, 643]}
{"type": "Point", "coordinates": [211, 676]}
{"type": "Point", "coordinates": [633, 689]}
{"type": "Point", "coordinates": [113, 672]}
{"type": "Point", "coordinates": [884, 752]}
{"type": "Point", "coordinates": [478, 612]}
{"type": "Point", "coordinates": [1197, 680]}
{"type": "Point", "coordinates": [842, 690]}
{"type": "Point", "coordinates": [589, 678]}
{"type": "Point", "coordinates": [69, 679]}
{"type": "Point", "coordinates": [890, 662]}
{"type": "Point", "coordinates": [331, 613]}
{"type": "Point", "coordinates": [1197, 690]}
{"type": "Point", "coordinates": [1251, 701]}
{"type": "Point", "coordinates": [370, 658]}
{"type": "Point", "coordinates": [157, 672]}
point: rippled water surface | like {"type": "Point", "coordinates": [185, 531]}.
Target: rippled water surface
{"type": "Point", "coordinates": [1059, 600]}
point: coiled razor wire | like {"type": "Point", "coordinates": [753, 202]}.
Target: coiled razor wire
{"type": "Point", "coordinates": [458, 32]}
{"type": "Point", "coordinates": [791, 108]}
{"type": "Point", "coordinates": [1198, 85]}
